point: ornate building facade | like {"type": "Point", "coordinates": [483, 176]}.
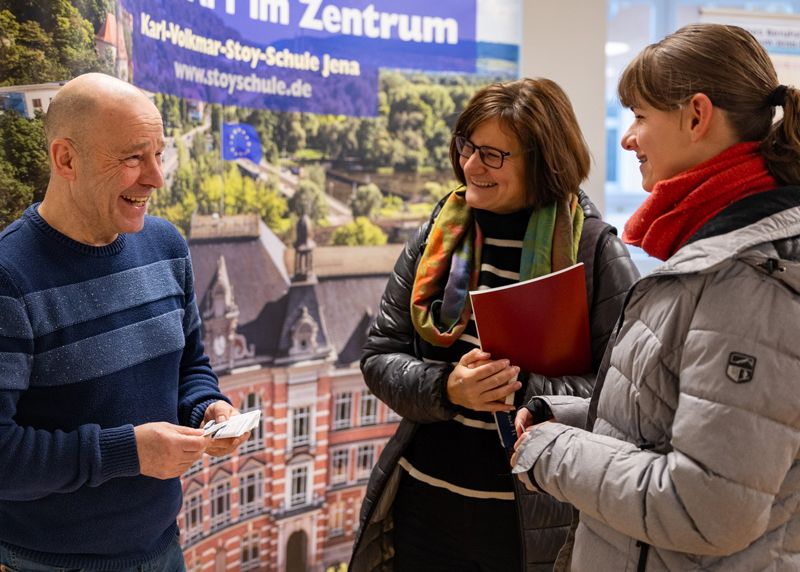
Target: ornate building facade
{"type": "Point", "coordinates": [289, 499]}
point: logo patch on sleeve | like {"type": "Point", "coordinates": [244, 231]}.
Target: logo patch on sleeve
{"type": "Point", "coordinates": [741, 367]}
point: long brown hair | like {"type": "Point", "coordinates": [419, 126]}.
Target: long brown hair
{"type": "Point", "coordinates": [539, 114]}
{"type": "Point", "coordinates": [729, 66]}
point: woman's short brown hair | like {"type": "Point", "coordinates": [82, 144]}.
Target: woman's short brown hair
{"type": "Point", "coordinates": [539, 114]}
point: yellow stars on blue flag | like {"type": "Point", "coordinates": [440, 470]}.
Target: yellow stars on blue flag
{"type": "Point", "coordinates": [240, 140]}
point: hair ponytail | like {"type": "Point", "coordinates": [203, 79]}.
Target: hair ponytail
{"type": "Point", "coordinates": [781, 146]}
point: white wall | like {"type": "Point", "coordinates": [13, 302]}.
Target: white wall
{"type": "Point", "coordinates": [564, 40]}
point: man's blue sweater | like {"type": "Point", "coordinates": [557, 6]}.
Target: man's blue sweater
{"type": "Point", "coordinates": [93, 341]}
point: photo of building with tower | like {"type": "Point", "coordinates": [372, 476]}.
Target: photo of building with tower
{"type": "Point", "coordinates": [284, 329]}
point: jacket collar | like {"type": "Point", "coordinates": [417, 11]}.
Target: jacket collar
{"type": "Point", "coordinates": [589, 208]}
{"type": "Point", "coordinates": [748, 225]}
{"type": "Point", "coordinates": [748, 211]}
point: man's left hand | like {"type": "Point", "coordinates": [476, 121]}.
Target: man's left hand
{"type": "Point", "coordinates": [221, 411]}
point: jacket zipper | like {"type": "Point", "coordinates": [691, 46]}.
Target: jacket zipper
{"type": "Point", "coordinates": [644, 548]}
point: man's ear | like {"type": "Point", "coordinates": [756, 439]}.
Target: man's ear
{"type": "Point", "coordinates": [700, 112]}
{"type": "Point", "coordinates": [62, 158]}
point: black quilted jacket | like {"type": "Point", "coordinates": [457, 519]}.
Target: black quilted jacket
{"type": "Point", "coordinates": [416, 390]}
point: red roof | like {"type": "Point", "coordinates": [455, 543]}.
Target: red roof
{"type": "Point", "coordinates": [108, 31]}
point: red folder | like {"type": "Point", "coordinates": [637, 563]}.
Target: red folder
{"type": "Point", "coordinates": [540, 325]}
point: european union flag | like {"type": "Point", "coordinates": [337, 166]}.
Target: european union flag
{"type": "Point", "coordinates": [240, 140]}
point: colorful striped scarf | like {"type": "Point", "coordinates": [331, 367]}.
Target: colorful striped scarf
{"type": "Point", "coordinates": [450, 264]}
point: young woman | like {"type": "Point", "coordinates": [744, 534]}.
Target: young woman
{"type": "Point", "coordinates": [693, 462]}
{"type": "Point", "coordinates": [442, 497]}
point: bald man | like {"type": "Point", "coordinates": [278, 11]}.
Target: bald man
{"type": "Point", "coordinates": [103, 377]}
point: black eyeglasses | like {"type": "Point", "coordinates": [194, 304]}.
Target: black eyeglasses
{"type": "Point", "coordinates": [490, 156]}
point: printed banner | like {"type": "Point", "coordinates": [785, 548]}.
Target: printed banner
{"type": "Point", "coordinates": [779, 34]}
{"type": "Point", "coordinates": [319, 56]}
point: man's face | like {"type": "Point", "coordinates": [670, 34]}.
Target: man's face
{"type": "Point", "coordinates": [118, 168]}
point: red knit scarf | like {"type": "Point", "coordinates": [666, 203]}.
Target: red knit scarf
{"type": "Point", "coordinates": [678, 207]}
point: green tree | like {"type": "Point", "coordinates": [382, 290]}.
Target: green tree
{"type": "Point", "coordinates": [184, 110]}
{"type": "Point", "coordinates": [15, 196]}
{"type": "Point", "coordinates": [309, 200]}
{"type": "Point", "coordinates": [360, 232]}
{"type": "Point", "coordinates": [288, 133]}
{"type": "Point", "coordinates": [392, 82]}
{"type": "Point", "coordinates": [316, 174]}
{"type": "Point", "coordinates": [35, 10]}
{"type": "Point", "coordinates": [43, 41]}
{"type": "Point", "coordinates": [310, 123]}
{"type": "Point", "coordinates": [414, 150]}
{"type": "Point", "coordinates": [461, 96]}
{"type": "Point", "coordinates": [178, 212]}
{"type": "Point", "coordinates": [93, 10]}
{"type": "Point", "coordinates": [169, 105]}
{"type": "Point", "coordinates": [328, 135]}
{"type": "Point", "coordinates": [265, 123]}
{"type": "Point", "coordinates": [366, 201]}
{"type": "Point", "coordinates": [73, 40]}
{"type": "Point", "coordinates": [209, 194]}
{"type": "Point", "coordinates": [433, 191]}
{"type": "Point", "coordinates": [196, 188]}
{"type": "Point", "coordinates": [273, 208]}
{"type": "Point", "coordinates": [377, 147]}
{"type": "Point", "coordinates": [24, 148]}
{"type": "Point", "coordinates": [437, 142]}
{"type": "Point", "coordinates": [296, 138]}
{"type": "Point", "coordinates": [26, 53]}
{"type": "Point", "coordinates": [216, 117]}
{"type": "Point", "coordinates": [338, 136]}
{"type": "Point", "coordinates": [200, 145]}
{"type": "Point", "coordinates": [348, 136]}
{"type": "Point", "coordinates": [438, 99]}
{"type": "Point", "coordinates": [391, 205]}
{"type": "Point", "coordinates": [409, 111]}
{"type": "Point", "coordinates": [24, 167]}
{"type": "Point", "coordinates": [243, 194]}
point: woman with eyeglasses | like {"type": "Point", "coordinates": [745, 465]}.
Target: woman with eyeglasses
{"type": "Point", "coordinates": [442, 497]}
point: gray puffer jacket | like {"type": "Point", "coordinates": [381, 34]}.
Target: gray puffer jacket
{"type": "Point", "coordinates": [694, 462]}
{"type": "Point", "coordinates": [395, 372]}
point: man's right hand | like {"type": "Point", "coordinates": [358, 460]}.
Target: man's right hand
{"type": "Point", "coordinates": [166, 450]}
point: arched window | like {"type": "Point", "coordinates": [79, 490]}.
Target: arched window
{"type": "Point", "coordinates": [220, 497]}
{"type": "Point", "coordinates": [193, 512]}
{"type": "Point", "coordinates": [296, 552]}
{"type": "Point", "coordinates": [250, 556]}
{"type": "Point", "coordinates": [251, 489]}
{"type": "Point", "coordinates": [304, 334]}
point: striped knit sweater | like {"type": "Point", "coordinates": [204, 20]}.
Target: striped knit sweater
{"type": "Point", "coordinates": [93, 341]}
{"type": "Point", "coordinates": [464, 454]}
